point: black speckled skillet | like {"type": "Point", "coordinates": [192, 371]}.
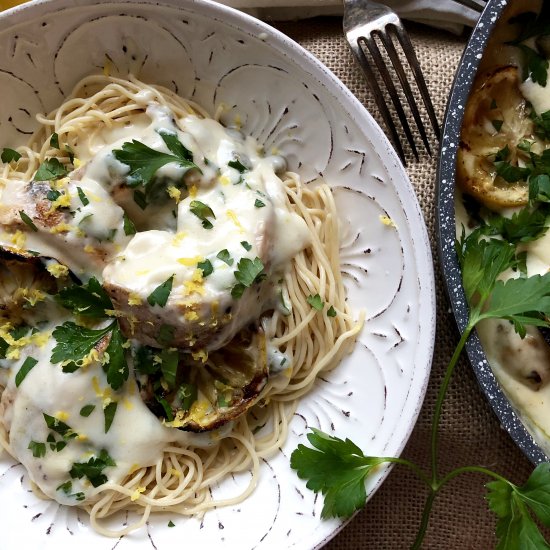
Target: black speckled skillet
{"type": "Point", "coordinates": [446, 228]}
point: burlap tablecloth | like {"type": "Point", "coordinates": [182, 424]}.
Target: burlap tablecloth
{"type": "Point", "coordinates": [470, 433]}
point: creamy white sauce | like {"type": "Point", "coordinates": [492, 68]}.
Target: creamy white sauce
{"type": "Point", "coordinates": [165, 245]}
{"type": "Point", "coordinates": [536, 94]}
{"type": "Point", "coordinates": [135, 439]}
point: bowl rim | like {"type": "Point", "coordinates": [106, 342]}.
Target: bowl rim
{"type": "Point", "coordinates": [445, 229]}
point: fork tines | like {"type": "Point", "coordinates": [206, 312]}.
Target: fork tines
{"type": "Point", "coordinates": [362, 31]}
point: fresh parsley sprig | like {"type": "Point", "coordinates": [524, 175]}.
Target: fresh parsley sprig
{"type": "Point", "coordinates": [75, 343]}
{"type": "Point", "coordinates": [337, 468]}
{"type": "Point", "coordinates": [88, 300]}
{"type": "Point", "coordinates": [144, 162]}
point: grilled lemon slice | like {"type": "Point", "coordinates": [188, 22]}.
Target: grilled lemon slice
{"type": "Point", "coordinates": [210, 394]}
{"type": "Point", "coordinates": [496, 118]}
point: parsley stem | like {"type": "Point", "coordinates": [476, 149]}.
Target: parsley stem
{"type": "Point", "coordinates": [417, 544]}
{"type": "Point", "coordinates": [471, 469]}
{"type": "Point", "coordinates": [441, 396]}
{"type": "Point", "coordinates": [411, 465]}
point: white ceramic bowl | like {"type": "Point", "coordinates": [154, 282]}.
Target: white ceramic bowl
{"type": "Point", "coordinates": [288, 100]}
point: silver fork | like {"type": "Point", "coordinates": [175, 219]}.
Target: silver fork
{"type": "Point", "coordinates": [363, 21]}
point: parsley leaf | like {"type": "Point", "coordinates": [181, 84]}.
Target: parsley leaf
{"type": "Point", "coordinates": [116, 368]}
{"type": "Point", "coordinates": [75, 342]}
{"type": "Point", "coordinates": [249, 271]}
{"type": "Point", "coordinates": [169, 366]}
{"type": "Point", "coordinates": [524, 226]}
{"type": "Point", "coordinates": [247, 246]}
{"type": "Point", "coordinates": [129, 227]}
{"type": "Point", "coordinates": [497, 124]}
{"type": "Point", "coordinates": [258, 203]}
{"type": "Point", "coordinates": [89, 300]}
{"type": "Point", "coordinates": [482, 261]}
{"type": "Point", "coordinates": [27, 220]}
{"type": "Point", "coordinates": [188, 394]}
{"type": "Point", "coordinates": [513, 506]}
{"type": "Point", "coordinates": [160, 295]}
{"type": "Point", "coordinates": [177, 148]}
{"type": "Point", "coordinates": [54, 141]}
{"type": "Point", "coordinates": [144, 162]}
{"type": "Point", "coordinates": [59, 427]}
{"type": "Point", "coordinates": [50, 169]}
{"type": "Point", "coordinates": [202, 211]}
{"type": "Point", "coordinates": [238, 165]}
{"type": "Point", "coordinates": [109, 413]}
{"type": "Point", "coordinates": [315, 302]}
{"type": "Point", "coordinates": [26, 367]}
{"type": "Point", "coordinates": [336, 468]}
{"type": "Point", "coordinates": [171, 524]}
{"type": "Point", "coordinates": [331, 312]}
{"type": "Point", "coordinates": [536, 66]}
{"type": "Point", "coordinates": [511, 173]}
{"type": "Point", "coordinates": [524, 301]}
{"type": "Point", "coordinates": [206, 267]}
{"type": "Point", "coordinates": [82, 196]}
{"type": "Point", "coordinates": [225, 257]}
{"type": "Point", "coordinates": [38, 449]}
{"type": "Point", "coordinates": [93, 469]}
{"type": "Point", "coordinates": [542, 124]}
{"type": "Point", "coordinates": [9, 155]}
{"type": "Point", "coordinates": [87, 410]}
{"type": "Point", "coordinates": [53, 194]}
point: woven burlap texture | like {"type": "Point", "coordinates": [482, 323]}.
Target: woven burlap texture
{"type": "Point", "coordinates": [469, 431]}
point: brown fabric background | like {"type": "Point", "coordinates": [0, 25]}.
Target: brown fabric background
{"type": "Point", "coordinates": [469, 432]}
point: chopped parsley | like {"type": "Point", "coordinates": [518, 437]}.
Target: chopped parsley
{"type": "Point", "coordinates": [169, 366]}
{"type": "Point", "coordinates": [59, 427]}
{"type": "Point", "coordinates": [237, 165]}
{"type": "Point", "coordinates": [53, 195]}
{"type": "Point", "coordinates": [258, 203]}
{"type": "Point", "coordinates": [206, 267]}
{"type": "Point", "coordinates": [225, 257]}
{"type": "Point", "coordinates": [129, 227]}
{"type": "Point", "coordinates": [331, 312]}
{"type": "Point", "coordinates": [188, 394]}
{"type": "Point", "coordinates": [54, 141]}
{"type": "Point", "coordinates": [9, 155]}
{"type": "Point", "coordinates": [93, 469]}
{"type": "Point", "coordinates": [56, 446]}
{"type": "Point", "coordinates": [109, 413]}
{"type": "Point", "coordinates": [26, 367]}
{"type": "Point", "coordinates": [82, 196]}
{"type": "Point", "coordinates": [27, 220]}
{"type": "Point", "coordinates": [248, 272]}
{"type": "Point", "coordinates": [315, 302]}
{"type": "Point", "coordinates": [246, 245]}
{"type": "Point", "coordinates": [50, 169]}
{"type": "Point", "coordinates": [171, 524]}
{"type": "Point", "coordinates": [203, 212]}
{"type": "Point", "coordinates": [38, 449]}
{"type": "Point", "coordinates": [160, 295]}
{"type": "Point", "coordinates": [87, 410]}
